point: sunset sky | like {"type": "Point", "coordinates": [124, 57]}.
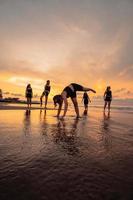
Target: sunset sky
{"type": "Point", "coordinates": [89, 42]}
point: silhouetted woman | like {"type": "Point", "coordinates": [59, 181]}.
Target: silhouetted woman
{"type": "Point", "coordinates": [86, 101]}
{"type": "Point", "coordinates": [1, 96]}
{"type": "Point", "coordinates": [107, 98]}
{"type": "Point", "coordinates": [70, 91]}
{"type": "Point", "coordinates": [46, 93]}
{"type": "Point", "coordinates": [29, 95]}
{"type": "Point", "coordinates": [58, 100]}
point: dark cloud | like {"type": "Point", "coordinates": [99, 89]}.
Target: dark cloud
{"type": "Point", "coordinates": [12, 94]}
{"type": "Point", "coordinates": [16, 94]}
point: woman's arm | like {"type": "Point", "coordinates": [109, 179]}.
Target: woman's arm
{"type": "Point", "coordinates": [59, 109]}
{"type": "Point", "coordinates": [104, 95]}
{"type": "Point", "coordinates": [64, 98]}
{"type": "Point", "coordinates": [89, 89]}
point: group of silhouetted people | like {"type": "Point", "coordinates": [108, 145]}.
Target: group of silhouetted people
{"type": "Point", "coordinates": [29, 94]}
{"type": "Point", "coordinates": [69, 91]}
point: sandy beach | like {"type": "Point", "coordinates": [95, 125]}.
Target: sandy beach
{"type": "Point", "coordinates": [46, 158]}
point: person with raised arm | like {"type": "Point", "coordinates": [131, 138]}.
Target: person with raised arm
{"type": "Point", "coordinates": [70, 91]}
{"type": "Point", "coordinates": [46, 92]}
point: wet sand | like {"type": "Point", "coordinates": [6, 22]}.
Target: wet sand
{"type": "Point", "coordinates": [46, 158]}
{"type": "Point", "coordinates": [4, 106]}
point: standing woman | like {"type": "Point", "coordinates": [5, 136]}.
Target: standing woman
{"type": "Point", "coordinates": [86, 99]}
{"type": "Point", "coordinates": [107, 98]}
{"type": "Point", "coordinates": [29, 95]}
{"type": "Point", "coordinates": [46, 92]}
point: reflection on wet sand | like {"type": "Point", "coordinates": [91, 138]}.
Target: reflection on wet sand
{"type": "Point", "coordinates": [65, 135]}
{"type": "Point", "coordinates": [27, 122]}
{"type": "Point", "coordinates": [106, 122]}
{"type": "Point", "coordinates": [44, 124]}
{"type": "Point", "coordinates": [43, 112]}
{"type": "Point", "coordinates": [43, 157]}
{"type": "Point", "coordinates": [106, 131]}
{"type": "Point", "coordinates": [62, 131]}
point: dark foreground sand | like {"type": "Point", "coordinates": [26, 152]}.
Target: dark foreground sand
{"type": "Point", "coordinates": [42, 157]}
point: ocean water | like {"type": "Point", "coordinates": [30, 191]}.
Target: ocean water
{"type": "Point", "coordinates": [126, 105]}
{"type": "Point", "coordinates": [117, 104]}
{"type": "Point", "coordinates": [42, 157]}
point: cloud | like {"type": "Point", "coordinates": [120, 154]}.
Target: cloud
{"type": "Point", "coordinates": [123, 92]}
{"type": "Point", "coordinates": [22, 81]}
{"type": "Point", "coordinates": [6, 93]}
{"type": "Point", "coordinates": [12, 94]}
{"type": "Point", "coordinates": [127, 72]}
{"type": "Point", "coordinates": [120, 90]}
{"type": "Point", "coordinates": [67, 41]}
{"type": "Point", "coordinates": [16, 94]}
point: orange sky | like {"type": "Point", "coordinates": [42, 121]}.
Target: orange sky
{"type": "Point", "coordinates": [89, 43]}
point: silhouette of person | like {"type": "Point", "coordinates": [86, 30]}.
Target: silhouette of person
{"type": "Point", "coordinates": [66, 136]}
{"type": "Point", "coordinates": [29, 95]}
{"type": "Point", "coordinates": [70, 91]}
{"type": "Point", "coordinates": [46, 92]}
{"type": "Point", "coordinates": [86, 99]}
{"type": "Point", "coordinates": [107, 98]}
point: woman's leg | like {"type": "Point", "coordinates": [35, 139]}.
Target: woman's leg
{"type": "Point", "coordinates": [46, 100]}
{"type": "Point", "coordinates": [30, 101]}
{"type": "Point", "coordinates": [41, 99]}
{"type": "Point", "coordinates": [86, 107]}
{"type": "Point", "coordinates": [89, 89]}
{"type": "Point", "coordinates": [75, 103]}
{"type": "Point", "coordinates": [105, 104]}
{"type": "Point", "coordinates": [109, 103]}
